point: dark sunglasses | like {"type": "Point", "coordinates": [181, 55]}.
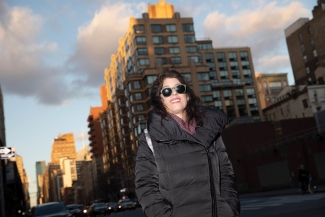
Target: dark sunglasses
{"type": "Point", "coordinates": [167, 91]}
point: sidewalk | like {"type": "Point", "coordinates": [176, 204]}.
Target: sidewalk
{"type": "Point", "coordinates": [320, 188]}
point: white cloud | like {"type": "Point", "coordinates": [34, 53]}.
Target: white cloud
{"type": "Point", "coordinates": [98, 40]}
{"type": "Point", "coordinates": [261, 28]}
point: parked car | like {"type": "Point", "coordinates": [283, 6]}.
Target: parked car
{"type": "Point", "coordinates": [126, 204]}
{"type": "Point", "coordinates": [84, 209]}
{"type": "Point", "coordinates": [113, 207]}
{"type": "Point", "coordinates": [52, 209]}
{"type": "Point", "coordinates": [75, 210]}
{"type": "Point", "coordinates": [98, 209]}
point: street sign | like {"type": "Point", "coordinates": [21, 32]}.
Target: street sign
{"type": "Point", "coordinates": [6, 153]}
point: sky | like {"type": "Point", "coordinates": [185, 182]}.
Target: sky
{"type": "Point", "coordinates": [53, 56]}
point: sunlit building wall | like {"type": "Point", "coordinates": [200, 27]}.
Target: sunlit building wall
{"type": "Point", "coordinates": [63, 146]}
{"type": "Point", "coordinates": [221, 77]}
{"type": "Point", "coordinates": [269, 86]}
{"type": "Point", "coordinates": [69, 171]}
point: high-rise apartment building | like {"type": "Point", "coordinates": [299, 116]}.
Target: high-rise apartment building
{"type": "Point", "coordinates": [63, 146]}
{"type": "Point", "coordinates": [306, 44]}
{"type": "Point", "coordinates": [221, 77]}
{"type": "Point", "coordinates": [269, 86]}
{"type": "Point", "coordinates": [40, 169]}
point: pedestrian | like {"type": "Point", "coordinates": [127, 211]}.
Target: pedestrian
{"type": "Point", "coordinates": [188, 173]}
{"type": "Point", "coordinates": [303, 177]}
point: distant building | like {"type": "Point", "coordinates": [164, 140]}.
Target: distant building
{"type": "Point", "coordinates": [40, 169]}
{"type": "Point", "coordinates": [63, 146]}
{"type": "Point", "coordinates": [23, 176]}
{"type": "Point", "coordinates": [297, 102]}
{"type": "Point", "coordinates": [306, 44]}
{"type": "Point", "coordinates": [269, 86]}
{"type": "Point", "coordinates": [69, 171]}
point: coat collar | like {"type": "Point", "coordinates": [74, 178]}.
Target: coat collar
{"type": "Point", "coordinates": [168, 130]}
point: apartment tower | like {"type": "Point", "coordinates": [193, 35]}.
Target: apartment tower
{"type": "Point", "coordinates": [221, 77]}
{"type": "Point", "coordinates": [40, 169]}
{"type": "Point", "coordinates": [306, 44]}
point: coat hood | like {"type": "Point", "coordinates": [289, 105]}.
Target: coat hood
{"type": "Point", "coordinates": [167, 129]}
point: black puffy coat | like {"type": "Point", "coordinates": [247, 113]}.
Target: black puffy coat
{"type": "Point", "coordinates": [188, 175]}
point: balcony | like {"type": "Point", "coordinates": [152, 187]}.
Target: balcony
{"type": "Point", "coordinates": [228, 84]}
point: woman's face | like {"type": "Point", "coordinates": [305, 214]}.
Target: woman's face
{"type": "Point", "coordinates": [176, 102]}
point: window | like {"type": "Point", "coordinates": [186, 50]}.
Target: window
{"type": "Point", "coordinates": [193, 58]}
{"type": "Point", "coordinates": [275, 84]}
{"type": "Point", "coordinates": [174, 50]}
{"type": "Point", "coordinates": [205, 87]}
{"type": "Point", "coordinates": [159, 50]}
{"type": "Point", "coordinates": [140, 40]}
{"type": "Point", "coordinates": [305, 103]}
{"type": "Point", "coordinates": [247, 73]}
{"type": "Point", "coordinates": [155, 28]}
{"type": "Point", "coordinates": [302, 47]}
{"type": "Point", "coordinates": [232, 56]}
{"type": "Point", "coordinates": [315, 53]}
{"type": "Point", "coordinates": [188, 27]}
{"type": "Point", "coordinates": [143, 62]}
{"type": "Point", "coordinates": [234, 65]}
{"type": "Point", "coordinates": [171, 28]}
{"type": "Point", "coordinates": [216, 94]}
{"type": "Point", "coordinates": [312, 42]}
{"type": "Point", "coordinates": [307, 70]}
{"type": "Point", "coordinates": [250, 92]}
{"type": "Point", "coordinates": [206, 99]}
{"type": "Point", "coordinates": [161, 61]}
{"type": "Point", "coordinates": [245, 64]}
{"type": "Point", "coordinates": [141, 117]}
{"type": "Point", "coordinates": [138, 29]}
{"type": "Point", "coordinates": [172, 39]}
{"type": "Point", "coordinates": [138, 96]}
{"type": "Point", "coordinates": [221, 57]}
{"type": "Point", "coordinates": [300, 36]}
{"type": "Point", "coordinates": [176, 60]}
{"type": "Point", "coordinates": [150, 79]}
{"type": "Point", "coordinates": [157, 40]}
{"type": "Point", "coordinates": [142, 51]}
{"type": "Point", "coordinates": [222, 65]}
{"type": "Point", "coordinates": [305, 58]}
{"type": "Point", "coordinates": [218, 104]}
{"type": "Point", "coordinates": [224, 74]}
{"type": "Point", "coordinates": [203, 76]}
{"type": "Point", "coordinates": [139, 107]}
{"type": "Point", "coordinates": [243, 55]}
{"type": "Point", "coordinates": [252, 101]}
{"type": "Point", "coordinates": [239, 93]}
{"type": "Point", "coordinates": [204, 46]}
{"type": "Point", "coordinates": [187, 77]}
{"type": "Point", "coordinates": [209, 57]}
{"type": "Point", "coordinates": [136, 84]}
{"type": "Point", "coordinates": [310, 31]}
{"type": "Point", "coordinates": [191, 49]}
{"type": "Point", "coordinates": [227, 94]}
{"type": "Point", "coordinates": [189, 38]}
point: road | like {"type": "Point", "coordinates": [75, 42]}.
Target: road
{"type": "Point", "coordinates": [297, 205]}
{"type": "Point", "coordinates": [305, 205]}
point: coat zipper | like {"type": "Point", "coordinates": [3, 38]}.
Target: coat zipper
{"type": "Point", "coordinates": [212, 187]}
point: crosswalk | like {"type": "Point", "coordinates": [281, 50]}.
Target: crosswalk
{"type": "Point", "coordinates": [277, 201]}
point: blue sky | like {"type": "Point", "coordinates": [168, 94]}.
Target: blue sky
{"type": "Point", "coordinates": [52, 57]}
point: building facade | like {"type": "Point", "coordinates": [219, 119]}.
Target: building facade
{"type": "Point", "coordinates": [40, 169]}
{"type": "Point", "coordinates": [306, 45]}
{"type": "Point", "coordinates": [269, 86]}
{"type": "Point", "coordinates": [63, 146]}
{"type": "Point", "coordinates": [221, 77]}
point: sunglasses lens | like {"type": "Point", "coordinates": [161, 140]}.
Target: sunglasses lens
{"type": "Point", "coordinates": [180, 88]}
{"type": "Point", "coordinates": [166, 92]}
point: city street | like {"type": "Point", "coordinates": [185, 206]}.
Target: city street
{"type": "Point", "coordinates": [305, 205]}
{"type": "Point", "coordinates": [296, 205]}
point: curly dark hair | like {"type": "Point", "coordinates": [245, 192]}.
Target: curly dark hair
{"type": "Point", "coordinates": [193, 110]}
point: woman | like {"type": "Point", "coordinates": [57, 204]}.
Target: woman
{"type": "Point", "coordinates": [189, 173]}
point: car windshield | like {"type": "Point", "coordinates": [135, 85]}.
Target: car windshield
{"type": "Point", "coordinates": [49, 209]}
{"type": "Point", "coordinates": [126, 201]}
{"type": "Point", "coordinates": [72, 207]}
{"type": "Point", "coordinates": [99, 204]}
